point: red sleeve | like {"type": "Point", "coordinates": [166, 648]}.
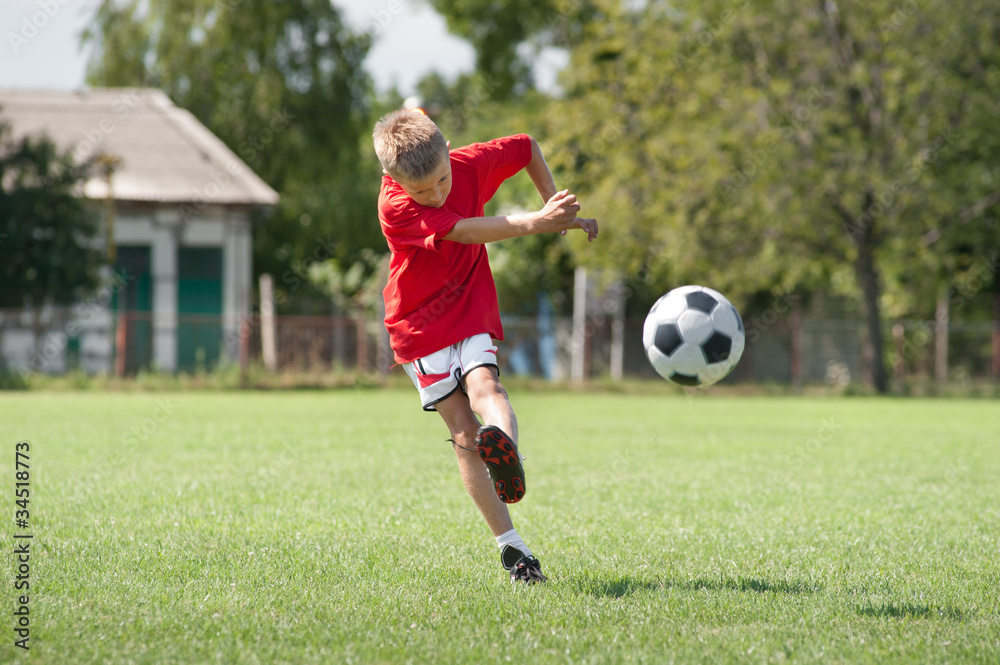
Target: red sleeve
{"type": "Point", "coordinates": [500, 159]}
{"type": "Point", "coordinates": [406, 223]}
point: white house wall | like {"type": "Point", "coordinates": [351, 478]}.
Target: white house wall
{"type": "Point", "coordinates": [237, 281]}
{"type": "Point", "coordinates": [159, 230]}
{"type": "Point", "coordinates": [163, 230]}
{"type": "Point", "coordinates": [164, 269]}
{"type": "Point", "coordinates": [205, 231]}
{"type": "Point", "coordinates": [88, 321]}
{"type": "Point", "coordinates": [215, 227]}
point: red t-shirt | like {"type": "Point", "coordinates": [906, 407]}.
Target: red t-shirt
{"type": "Point", "coordinates": [441, 292]}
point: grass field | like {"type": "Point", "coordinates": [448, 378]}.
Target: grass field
{"type": "Point", "coordinates": [332, 527]}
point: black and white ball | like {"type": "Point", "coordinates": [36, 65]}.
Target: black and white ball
{"type": "Point", "coordinates": [693, 336]}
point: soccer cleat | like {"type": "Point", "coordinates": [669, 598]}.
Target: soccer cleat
{"type": "Point", "coordinates": [499, 454]}
{"type": "Point", "coordinates": [522, 567]}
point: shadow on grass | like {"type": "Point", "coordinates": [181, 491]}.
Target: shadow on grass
{"type": "Point", "coordinates": [618, 588]}
{"type": "Point", "coordinates": [911, 611]}
{"type": "Point", "coordinates": [626, 586]}
{"type": "Point", "coordinates": [752, 584]}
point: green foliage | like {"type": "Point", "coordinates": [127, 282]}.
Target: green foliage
{"type": "Point", "coordinates": [48, 253]}
{"type": "Point", "coordinates": [525, 267]}
{"type": "Point", "coordinates": [760, 148]}
{"type": "Point", "coordinates": [355, 288]}
{"type": "Point", "coordinates": [786, 145]}
{"type": "Point", "coordinates": [282, 85]}
{"type": "Point", "coordinates": [499, 31]}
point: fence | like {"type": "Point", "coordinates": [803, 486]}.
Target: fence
{"type": "Point", "coordinates": [830, 349]}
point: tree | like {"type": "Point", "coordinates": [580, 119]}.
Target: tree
{"type": "Point", "coordinates": [495, 30]}
{"type": "Point", "coordinates": [282, 85]}
{"type": "Point", "coordinates": [357, 291]}
{"type": "Point", "coordinates": [506, 34]}
{"type": "Point", "coordinates": [784, 145]}
{"type": "Point", "coordinates": [48, 249]}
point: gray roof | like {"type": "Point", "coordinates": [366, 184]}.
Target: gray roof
{"type": "Point", "coordinates": [166, 154]}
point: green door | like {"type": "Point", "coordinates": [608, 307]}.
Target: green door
{"type": "Point", "coordinates": [135, 301]}
{"type": "Point", "coordinates": [199, 308]}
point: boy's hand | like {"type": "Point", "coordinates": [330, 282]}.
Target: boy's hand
{"type": "Point", "coordinates": [559, 214]}
{"type": "Point", "coordinates": [560, 208]}
{"type": "Point", "coordinates": [588, 225]}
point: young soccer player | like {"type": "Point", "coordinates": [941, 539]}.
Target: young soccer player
{"type": "Point", "coordinates": [441, 303]}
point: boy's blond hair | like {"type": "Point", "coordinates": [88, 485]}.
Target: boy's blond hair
{"type": "Point", "coordinates": [409, 145]}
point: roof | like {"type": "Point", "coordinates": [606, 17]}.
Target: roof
{"type": "Point", "coordinates": [166, 154]}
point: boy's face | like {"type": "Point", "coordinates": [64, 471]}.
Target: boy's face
{"type": "Point", "coordinates": [433, 190]}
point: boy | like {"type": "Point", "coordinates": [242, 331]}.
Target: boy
{"type": "Point", "coordinates": [441, 304]}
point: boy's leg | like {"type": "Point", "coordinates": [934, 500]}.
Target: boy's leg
{"type": "Point", "coordinates": [489, 399]}
{"type": "Point", "coordinates": [462, 424]}
{"type": "Point", "coordinates": [497, 440]}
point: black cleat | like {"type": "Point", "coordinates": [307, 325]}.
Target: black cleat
{"type": "Point", "coordinates": [504, 464]}
{"type": "Point", "coordinates": [522, 567]}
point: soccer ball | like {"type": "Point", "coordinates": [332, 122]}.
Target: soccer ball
{"type": "Point", "coordinates": [693, 336]}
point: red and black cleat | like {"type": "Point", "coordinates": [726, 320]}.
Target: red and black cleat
{"type": "Point", "coordinates": [504, 464]}
{"type": "Point", "coordinates": [528, 570]}
{"type": "Point", "coordinates": [522, 567]}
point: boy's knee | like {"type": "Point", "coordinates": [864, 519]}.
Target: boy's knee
{"type": "Point", "coordinates": [485, 385]}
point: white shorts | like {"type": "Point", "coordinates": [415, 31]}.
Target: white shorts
{"type": "Point", "coordinates": [443, 372]}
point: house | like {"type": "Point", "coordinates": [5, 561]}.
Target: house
{"type": "Point", "coordinates": [178, 205]}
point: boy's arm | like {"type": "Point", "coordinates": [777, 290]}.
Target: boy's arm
{"type": "Point", "coordinates": [557, 215]}
{"type": "Point", "coordinates": [539, 173]}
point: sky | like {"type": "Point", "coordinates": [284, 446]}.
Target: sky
{"type": "Point", "coordinates": [39, 43]}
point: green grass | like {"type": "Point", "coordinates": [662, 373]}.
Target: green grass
{"type": "Point", "coordinates": [332, 527]}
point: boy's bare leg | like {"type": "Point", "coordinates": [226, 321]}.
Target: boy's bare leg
{"type": "Point", "coordinates": [489, 399]}
{"type": "Point", "coordinates": [462, 424]}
